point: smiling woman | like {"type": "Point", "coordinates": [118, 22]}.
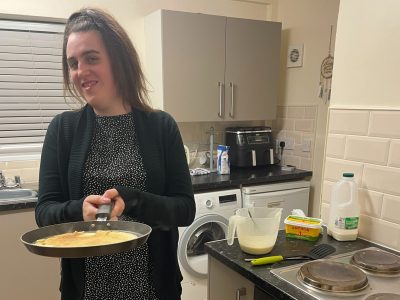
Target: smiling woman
{"type": "Point", "coordinates": [91, 73]}
{"type": "Point", "coordinates": [115, 149]}
{"type": "Point", "coordinates": [101, 43]}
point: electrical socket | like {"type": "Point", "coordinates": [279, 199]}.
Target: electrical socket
{"type": "Point", "coordinates": [288, 143]}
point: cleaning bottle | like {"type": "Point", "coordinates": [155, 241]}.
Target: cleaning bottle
{"type": "Point", "coordinates": [344, 212]}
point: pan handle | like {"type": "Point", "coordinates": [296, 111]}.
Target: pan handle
{"type": "Point", "coordinates": [104, 212]}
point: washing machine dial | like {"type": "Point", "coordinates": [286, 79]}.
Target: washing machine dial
{"type": "Point", "coordinates": [209, 203]}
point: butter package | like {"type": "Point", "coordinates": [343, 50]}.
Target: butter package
{"type": "Point", "coordinates": [303, 228]}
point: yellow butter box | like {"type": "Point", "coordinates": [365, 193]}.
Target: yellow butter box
{"type": "Point", "coordinates": [303, 228]}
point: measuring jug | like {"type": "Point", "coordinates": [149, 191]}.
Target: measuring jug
{"type": "Point", "coordinates": [256, 228]}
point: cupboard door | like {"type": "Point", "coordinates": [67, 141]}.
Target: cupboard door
{"type": "Point", "coordinates": [193, 65]}
{"type": "Point", "coordinates": [252, 66]}
{"type": "Point", "coordinates": [224, 283]}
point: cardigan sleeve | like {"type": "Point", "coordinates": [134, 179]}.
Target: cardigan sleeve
{"type": "Point", "coordinates": [176, 207]}
{"type": "Point", "coordinates": [53, 205]}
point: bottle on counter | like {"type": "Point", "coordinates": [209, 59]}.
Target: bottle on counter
{"type": "Point", "coordinates": [344, 212]}
{"type": "Point", "coordinates": [223, 166]}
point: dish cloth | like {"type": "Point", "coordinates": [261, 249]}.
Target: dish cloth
{"type": "Point", "coordinates": [199, 171]}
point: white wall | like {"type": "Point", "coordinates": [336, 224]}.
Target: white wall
{"type": "Point", "coordinates": [365, 111]}
{"type": "Point", "coordinates": [367, 54]}
{"type": "Point", "coordinates": [308, 22]}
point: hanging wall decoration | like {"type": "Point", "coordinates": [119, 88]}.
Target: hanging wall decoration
{"type": "Point", "coordinates": [325, 79]}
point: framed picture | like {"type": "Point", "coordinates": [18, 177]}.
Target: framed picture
{"type": "Point", "coordinates": [295, 56]}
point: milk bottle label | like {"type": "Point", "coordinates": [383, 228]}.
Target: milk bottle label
{"type": "Point", "coordinates": [346, 223]}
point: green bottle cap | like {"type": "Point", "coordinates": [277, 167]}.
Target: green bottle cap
{"type": "Point", "coordinates": [348, 175]}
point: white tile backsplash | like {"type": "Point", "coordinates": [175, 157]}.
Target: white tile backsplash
{"type": "Point", "coordinates": [391, 208]}
{"type": "Point", "coordinates": [295, 112]}
{"type": "Point", "coordinates": [335, 145]}
{"type": "Point", "coordinates": [334, 168]}
{"type": "Point", "coordinates": [370, 202]}
{"type": "Point", "coordinates": [304, 125]}
{"type": "Point", "coordinates": [380, 231]}
{"type": "Point", "coordinates": [367, 149]}
{"type": "Point", "coordinates": [297, 124]}
{"type": "Point", "coordinates": [385, 124]}
{"type": "Point", "coordinates": [382, 179]}
{"type": "Point", "coordinates": [367, 143]}
{"type": "Point", "coordinates": [394, 154]}
{"type": "Point", "coordinates": [339, 121]}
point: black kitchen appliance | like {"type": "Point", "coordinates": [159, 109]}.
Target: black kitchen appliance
{"type": "Point", "coordinates": [250, 146]}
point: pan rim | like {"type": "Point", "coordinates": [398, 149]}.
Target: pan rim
{"type": "Point", "coordinates": [85, 251]}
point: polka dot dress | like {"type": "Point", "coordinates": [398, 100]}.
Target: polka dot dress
{"type": "Point", "coordinates": [114, 159]}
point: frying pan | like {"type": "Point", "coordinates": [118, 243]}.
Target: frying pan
{"type": "Point", "coordinates": [142, 231]}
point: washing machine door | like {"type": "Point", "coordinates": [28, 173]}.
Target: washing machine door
{"type": "Point", "coordinates": [191, 251]}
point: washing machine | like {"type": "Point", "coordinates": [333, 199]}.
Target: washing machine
{"type": "Point", "coordinates": [213, 210]}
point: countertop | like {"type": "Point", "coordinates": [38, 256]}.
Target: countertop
{"type": "Point", "coordinates": [213, 181]}
{"type": "Point", "coordinates": [246, 176]}
{"type": "Point", "coordinates": [17, 204]}
{"type": "Point", "coordinates": [233, 257]}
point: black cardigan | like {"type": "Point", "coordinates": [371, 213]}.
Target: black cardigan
{"type": "Point", "coordinates": [167, 204]}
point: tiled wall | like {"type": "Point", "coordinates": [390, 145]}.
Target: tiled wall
{"type": "Point", "coordinates": [296, 124]}
{"type": "Point", "coordinates": [196, 135]}
{"type": "Point", "coordinates": [367, 143]}
{"type": "Point", "coordinates": [28, 170]}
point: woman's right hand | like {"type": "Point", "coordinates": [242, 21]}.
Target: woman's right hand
{"type": "Point", "coordinates": [92, 202]}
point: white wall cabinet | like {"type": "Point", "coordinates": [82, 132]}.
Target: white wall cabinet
{"type": "Point", "coordinates": [212, 68]}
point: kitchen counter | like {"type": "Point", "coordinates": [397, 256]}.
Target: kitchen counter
{"type": "Point", "coordinates": [17, 204]}
{"type": "Point", "coordinates": [233, 258]}
{"type": "Point", "coordinates": [246, 176]}
{"type": "Point", "coordinates": [238, 177]}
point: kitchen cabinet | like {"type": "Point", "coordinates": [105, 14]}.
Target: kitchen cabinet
{"type": "Point", "coordinates": [24, 275]}
{"type": "Point", "coordinates": [224, 283]}
{"type": "Point", "coordinates": [212, 68]}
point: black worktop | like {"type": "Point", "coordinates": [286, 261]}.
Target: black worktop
{"type": "Point", "coordinates": [15, 205]}
{"type": "Point", "coordinates": [238, 177]}
{"type": "Point", "coordinates": [233, 257]}
{"type": "Point", "coordinates": [246, 176]}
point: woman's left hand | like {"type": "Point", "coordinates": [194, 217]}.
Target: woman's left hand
{"type": "Point", "coordinates": [119, 203]}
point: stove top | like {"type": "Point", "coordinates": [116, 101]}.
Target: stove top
{"type": "Point", "coordinates": [379, 285]}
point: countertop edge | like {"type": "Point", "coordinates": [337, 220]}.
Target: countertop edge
{"type": "Point", "coordinates": [21, 204]}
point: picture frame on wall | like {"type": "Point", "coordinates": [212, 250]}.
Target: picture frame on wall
{"type": "Point", "coordinates": [295, 56]}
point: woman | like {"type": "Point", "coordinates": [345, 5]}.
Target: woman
{"type": "Point", "coordinates": [116, 148]}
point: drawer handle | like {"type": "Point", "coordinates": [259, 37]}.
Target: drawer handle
{"type": "Point", "coordinates": [274, 204]}
{"type": "Point", "coordinates": [240, 292]}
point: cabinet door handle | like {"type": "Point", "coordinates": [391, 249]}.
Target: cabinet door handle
{"type": "Point", "coordinates": [275, 204]}
{"type": "Point", "coordinates": [220, 84]}
{"type": "Point", "coordinates": [231, 113]}
{"type": "Point", "coordinates": [240, 292]}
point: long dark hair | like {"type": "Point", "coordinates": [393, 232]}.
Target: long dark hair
{"type": "Point", "coordinates": [127, 73]}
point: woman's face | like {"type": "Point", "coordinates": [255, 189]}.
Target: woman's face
{"type": "Point", "coordinates": [90, 71]}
